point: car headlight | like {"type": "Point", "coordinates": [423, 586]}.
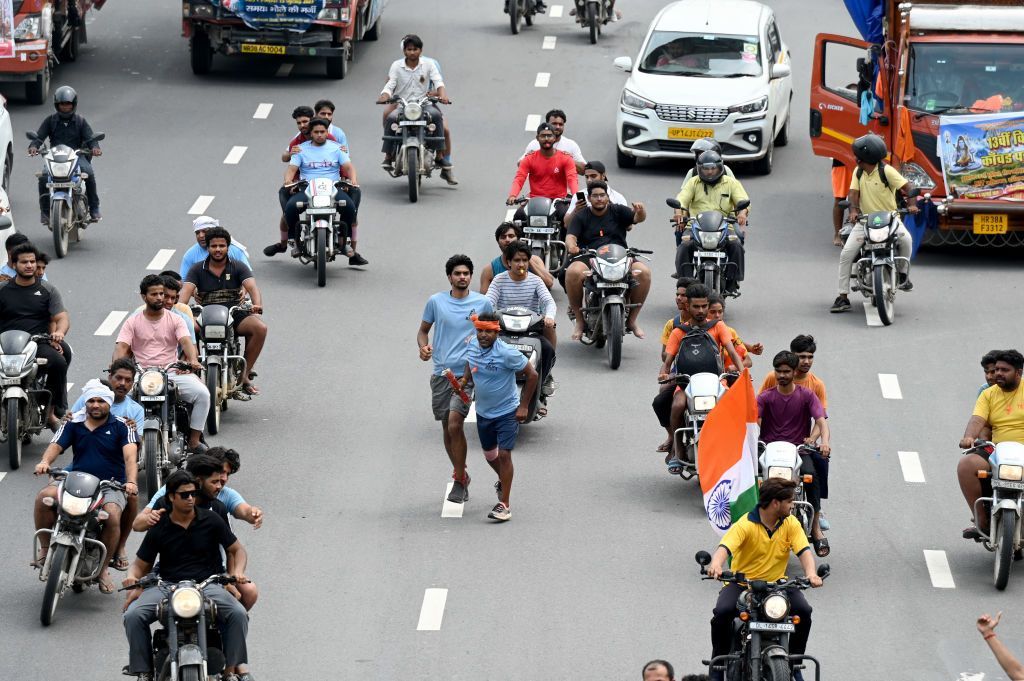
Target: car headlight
{"type": "Point", "coordinates": [709, 240]}
{"type": "Point", "coordinates": [775, 607]}
{"type": "Point", "coordinates": [322, 201]}
{"type": "Point", "coordinates": [151, 383]}
{"type": "Point", "coordinates": [73, 505]}
{"type": "Point", "coordinates": [186, 603]}
{"type": "Point", "coordinates": [538, 221]}
{"type": "Point", "coordinates": [704, 402]}
{"type": "Point", "coordinates": [917, 176]}
{"type": "Point", "coordinates": [878, 235]}
{"type": "Point", "coordinates": [61, 169]}
{"type": "Point", "coordinates": [783, 472]}
{"type": "Point", "coordinates": [214, 332]}
{"type": "Point", "coordinates": [413, 111]}
{"type": "Point", "coordinates": [635, 101]}
{"type": "Point", "coordinates": [328, 14]}
{"type": "Point", "coordinates": [612, 271]}
{"type": "Point", "coordinates": [750, 107]}
{"type": "Point", "coordinates": [28, 29]}
{"type": "Point", "coordinates": [13, 365]}
{"type": "Point", "coordinates": [1008, 472]}
{"type": "Point", "coordinates": [515, 322]}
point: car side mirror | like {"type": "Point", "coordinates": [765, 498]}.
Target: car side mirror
{"type": "Point", "coordinates": [703, 558]}
{"type": "Point", "coordinates": [672, 203]}
{"type": "Point", "coordinates": [781, 71]}
{"type": "Point", "coordinates": [623, 64]}
{"type": "Point", "coordinates": [742, 205]}
{"type": "Point", "coordinates": [5, 222]}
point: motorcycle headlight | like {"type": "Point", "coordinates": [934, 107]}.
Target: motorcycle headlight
{"type": "Point", "coordinates": [73, 505]}
{"type": "Point", "coordinates": [61, 169]}
{"type": "Point", "coordinates": [186, 603]}
{"type": "Point", "coordinates": [1008, 472]}
{"type": "Point", "coordinates": [322, 201]}
{"type": "Point", "coordinates": [704, 402]}
{"type": "Point", "coordinates": [515, 322]}
{"type": "Point", "coordinates": [13, 365]}
{"type": "Point", "coordinates": [917, 176]}
{"type": "Point", "coordinates": [612, 271]}
{"type": "Point", "coordinates": [635, 101]}
{"type": "Point", "coordinates": [775, 607]}
{"type": "Point", "coordinates": [750, 107]}
{"type": "Point", "coordinates": [709, 240]}
{"type": "Point", "coordinates": [878, 235]}
{"type": "Point", "coordinates": [783, 472]}
{"type": "Point", "coordinates": [28, 29]}
{"type": "Point", "coordinates": [413, 111]}
{"type": "Point", "coordinates": [215, 332]}
{"type": "Point", "coordinates": [151, 383]}
{"type": "Point", "coordinates": [538, 221]}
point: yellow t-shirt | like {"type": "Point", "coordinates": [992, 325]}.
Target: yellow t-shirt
{"type": "Point", "coordinates": [873, 194]}
{"type": "Point", "coordinates": [667, 330]}
{"type": "Point", "coordinates": [760, 554]}
{"type": "Point", "coordinates": [810, 381]}
{"type": "Point", "coordinates": [697, 197]}
{"type": "Point", "coordinates": [1004, 411]}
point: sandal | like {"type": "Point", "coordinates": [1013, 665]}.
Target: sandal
{"type": "Point", "coordinates": [250, 389]}
{"type": "Point", "coordinates": [821, 547]}
{"type": "Point", "coordinates": [105, 584]}
{"type": "Point", "coordinates": [675, 467]}
{"type": "Point", "coordinates": [665, 446]}
{"type": "Point", "coordinates": [120, 563]}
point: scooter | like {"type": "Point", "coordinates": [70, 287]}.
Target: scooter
{"type": "Point", "coordinates": [521, 328]}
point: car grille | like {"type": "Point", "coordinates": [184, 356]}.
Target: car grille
{"type": "Point", "coordinates": [691, 114]}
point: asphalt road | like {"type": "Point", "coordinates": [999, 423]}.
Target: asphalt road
{"type": "Point", "coordinates": [594, 575]}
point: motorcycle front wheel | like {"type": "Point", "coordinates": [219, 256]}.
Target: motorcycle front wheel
{"type": "Point", "coordinates": [709, 280]}
{"type": "Point", "coordinates": [216, 399]}
{"type": "Point", "coordinates": [777, 669]}
{"type": "Point", "coordinates": [412, 167]}
{"type": "Point", "coordinates": [190, 673]}
{"type": "Point", "coordinates": [1005, 529]}
{"type": "Point", "coordinates": [592, 22]}
{"type": "Point", "coordinates": [54, 583]}
{"type": "Point", "coordinates": [151, 442]}
{"type": "Point", "coordinates": [13, 436]}
{"type": "Point", "coordinates": [60, 219]}
{"type": "Point", "coordinates": [514, 15]}
{"type": "Point", "coordinates": [884, 294]}
{"type": "Point", "coordinates": [614, 331]}
{"type": "Point", "coordinates": [321, 258]}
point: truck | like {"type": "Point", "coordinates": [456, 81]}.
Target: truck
{"type": "Point", "coordinates": [289, 28]}
{"type": "Point", "coordinates": [36, 36]}
{"type": "Point", "coordinates": [918, 71]}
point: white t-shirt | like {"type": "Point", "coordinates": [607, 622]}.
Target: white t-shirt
{"type": "Point", "coordinates": [615, 197]}
{"type": "Point", "coordinates": [564, 144]}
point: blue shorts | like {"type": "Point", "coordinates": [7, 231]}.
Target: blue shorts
{"type": "Point", "coordinates": [498, 432]}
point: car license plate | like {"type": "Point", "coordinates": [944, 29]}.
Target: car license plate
{"type": "Point", "coordinates": [710, 254]}
{"type": "Point", "coordinates": [538, 230]}
{"type": "Point", "coordinates": [610, 284]}
{"type": "Point", "coordinates": [1008, 484]}
{"type": "Point", "coordinates": [991, 223]}
{"type": "Point", "coordinates": [521, 347]}
{"type": "Point", "coordinates": [772, 626]}
{"type": "Point", "coordinates": [152, 398]}
{"type": "Point", "coordinates": [689, 133]}
{"type": "Point", "coordinates": [254, 48]}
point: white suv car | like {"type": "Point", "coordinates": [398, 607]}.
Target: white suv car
{"type": "Point", "coordinates": [707, 68]}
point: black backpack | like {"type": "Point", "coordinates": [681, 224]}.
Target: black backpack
{"type": "Point", "coordinates": [900, 199]}
{"type": "Point", "coordinates": [698, 351]}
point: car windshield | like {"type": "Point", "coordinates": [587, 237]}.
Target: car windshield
{"type": "Point", "coordinates": [703, 55]}
{"type": "Point", "coordinates": [958, 78]}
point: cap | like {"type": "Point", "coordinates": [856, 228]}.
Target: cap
{"type": "Point", "coordinates": [204, 222]}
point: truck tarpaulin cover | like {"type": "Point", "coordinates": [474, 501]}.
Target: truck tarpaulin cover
{"type": "Point", "coordinates": [290, 15]}
{"type": "Point", "coordinates": [867, 15]}
{"type": "Point", "coordinates": [983, 156]}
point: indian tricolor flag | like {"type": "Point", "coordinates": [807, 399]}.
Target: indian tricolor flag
{"type": "Point", "coordinates": [727, 456]}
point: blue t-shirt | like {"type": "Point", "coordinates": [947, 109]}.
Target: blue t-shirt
{"type": "Point", "coordinates": [227, 496]}
{"type": "Point", "coordinates": [97, 452]}
{"type": "Point", "coordinates": [453, 327]}
{"type": "Point", "coordinates": [494, 377]}
{"type": "Point", "coordinates": [198, 254]}
{"type": "Point", "coordinates": [323, 161]}
{"type": "Point", "coordinates": [340, 136]}
{"type": "Point", "coordinates": [126, 409]}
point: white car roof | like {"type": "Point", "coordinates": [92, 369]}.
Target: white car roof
{"type": "Point", "coordinates": [726, 17]}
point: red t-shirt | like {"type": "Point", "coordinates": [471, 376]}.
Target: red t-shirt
{"type": "Point", "coordinates": [550, 177]}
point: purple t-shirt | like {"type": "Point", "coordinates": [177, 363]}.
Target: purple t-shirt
{"type": "Point", "coordinates": [787, 418]}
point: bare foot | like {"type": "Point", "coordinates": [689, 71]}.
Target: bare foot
{"type": "Point", "coordinates": [577, 332]}
{"type": "Point", "coordinates": [837, 241]}
{"type": "Point", "coordinates": [635, 330]}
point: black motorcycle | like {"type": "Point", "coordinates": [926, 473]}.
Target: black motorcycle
{"type": "Point", "coordinates": [543, 231]}
{"type": "Point", "coordinates": [165, 430]}
{"type": "Point", "coordinates": [520, 12]}
{"type": "Point", "coordinates": [25, 398]}
{"type": "Point", "coordinates": [760, 647]}
{"type": "Point", "coordinates": [592, 15]}
{"type": "Point", "coordinates": [187, 646]}
{"type": "Point", "coordinates": [522, 328]}
{"type": "Point", "coordinates": [417, 139]}
{"type": "Point", "coordinates": [710, 231]}
{"type": "Point", "coordinates": [220, 353]}
{"type": "Point", "coordinates": [76, 556]}
{"type": "Point", "coordinates": [322, 232]}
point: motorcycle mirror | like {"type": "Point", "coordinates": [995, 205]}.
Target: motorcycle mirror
{"type": "Point", "coordinates": [32, 136]}
{"type": "Point", "coordinates": [5, 222]}
{"type": "Point", "coordinates": [742, 205]}
{"type": "Point", "coordinates": [672, 203]}
{"type": "Point", "coordinates": [99, 137]}
{"type": "Point", "coordinates": [703, 558]}
{"type": "Point", "coordinates": [824, 570]}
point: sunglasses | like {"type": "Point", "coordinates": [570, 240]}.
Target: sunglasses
{"type": "Point", "coordinates": [188, 494]}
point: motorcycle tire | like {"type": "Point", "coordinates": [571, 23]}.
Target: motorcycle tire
{"type": "Point", "coordinates": [55, 583]}
{"type": "Point", "coordinates": [13, 438]}
{"type": "Point", "coordinates": [614, 332]}
{"type": "Point", "coordinates": [709, 281]}
{"type": "Point", "coordinates": [514, 15]}
{"type": "Point", "coordinates": [412, 169]}
{"type": "Point", "coordinates": [528, 17]}
{"type": "Point", "coordinates": [884, 294]}
{"type": "Point", "coordinates": [190, 673]}
{"type": "Point", "coordinates": [71, 49]}
{"type": "Point", "coordinates": [777, 669]}
{"type": "Point", "coordinates": [216, 399]}
{"type": "Point", "coordinates": [592, 22]}
{"type": "Point", "coordinates": [321, 258]}
{"type": "Point", "coordinates": [1005, 529]}
{"type": "Point", "coordinates": [60, 216]}
{"type": "Point", "coordinates": [151, 443]}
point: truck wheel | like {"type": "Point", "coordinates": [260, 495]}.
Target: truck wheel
{"type": "Point", "coordinates": [374, 32]}
{"type": "Point", "coordinates": [36, 91]}
{"type": "Point", "coordinates": [200, 52]}
{"type": "Point", "coordinates": [337, 67]}
{"type": "Point", "coordinates": [73, 46]}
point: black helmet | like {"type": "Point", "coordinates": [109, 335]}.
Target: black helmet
{"type": "Point", "coordinates": [65, 94]}
{"type": "Point", "coordinates": [710, 167]}
{"type": "Point", "coordinates": [869, 149]}
{"type": "Point", "coordinates": [705, 144]}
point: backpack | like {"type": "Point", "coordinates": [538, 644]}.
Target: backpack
{"type": "Point", "coordinates": [900, 199]}
{"type": "Point", "coordinates": [698, 351]}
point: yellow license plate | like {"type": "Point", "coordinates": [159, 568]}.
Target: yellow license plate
{"type": "Point", "coordinates": [251, 48]}
{"type": "Point", "coordinates": [991, 223]}
{"type": "Point", "coordinates": [689, 133]}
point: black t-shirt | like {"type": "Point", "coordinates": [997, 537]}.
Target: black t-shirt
{"type": "Point", "coordinates": [593, 231]}
{"type": "Point", "coordinates": [28, 308]}
{"type": "Point", "coordinates": [223, 290]}
{"type": "Point", "coordinates": [187, 553]}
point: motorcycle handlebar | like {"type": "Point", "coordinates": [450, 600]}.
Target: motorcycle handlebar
{"type": "Point", "coordinates": [152, 580]}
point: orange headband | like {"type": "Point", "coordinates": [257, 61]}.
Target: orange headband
{"type": "Point", "coordinates": [485, 326]}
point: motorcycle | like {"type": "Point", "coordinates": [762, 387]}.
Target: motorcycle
{"type": "Point", "coordinates": [782, 460]}
{"type": "Point", "coordinates": [760, 650]}
{"type": "Point", "coordinates": [187, 646]}
{"type": "Point", "coordinates": [417, 138]}
{"type": "Point", "coordinates": [1005, 506]}
{"type": "Point", "coordinates": [710, 231]}
{"type": "Point", "coordinates": [592, 15]}
{"type": "Point", "coordinates": [69, 205]}
{"type": "Point", "coordinates": [220, 353]}
{"type": "Point", "coordinates": [25, 397]}
{"type": "Point", "coordinates": [604, 297]}
{"type": "Point", "coordinates": [76, 556]}
{"type": "Point", "coordinates": [323, 235]}
{"type": "Point", "coordinates": [166, 427]}
{"type": "Point", "coordinates": [520, 12]}
{"type": "Point", "coordinates": [542, 230]}
{"type": "Point", "coordinates": [703, 390]}
{"type": "Point", "coordinates": [521, 328]}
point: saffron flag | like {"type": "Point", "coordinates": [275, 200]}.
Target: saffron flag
{"type": "Point", "coordinates": [727, 456]}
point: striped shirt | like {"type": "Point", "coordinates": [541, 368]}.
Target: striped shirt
{"type": "Point", "coordinates": [530, 293]}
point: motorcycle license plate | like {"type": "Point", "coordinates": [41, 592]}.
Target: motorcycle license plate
{"type": "Point", "coordinates": [406, 124]}
{"type": "Point", "coordinates": [710, 254]}
{"type": "Point", "coordinates": [991, 223]}
{"type": "Point", "coordinates": [151, 398]}
{"type": "Point", "coordinates": [60, 185]}
{"type": "Point", "coordinates": [521, 347]}
{"type": "Point", "coordinates": [538, 230]}
{"type": "Point", "coordinates": [689, 133]}
{"type": "Point", "coordinates": [254, 48]}
{"type": "Point", "coordinates": [875, 247]}
{"type": "Point", "coordinates": [772, 626]}
{"type": "Point", "coordinates": [610, 284]}
{"type": "Point", "coordinates": [1008, 484]}
{"type": "Point", "coordinates": [11, 381]}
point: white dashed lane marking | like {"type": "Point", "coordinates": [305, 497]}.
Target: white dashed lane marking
{"type": "Point", "coordinates": [549, 42]}
{"type": "Point", "coordinates": [70, 386]}
{"type": "Point", "coordinates": [159, 260]}
{"type": "Point", "coordinates": [938, 569]}
{"type": "Point", "coordinates": [471, 416]}
{"type": "Point", "coordinates": [448, 509]}
{"type": "Point", "coordinates": [910, 462]}
{"type": "Point", "coordinates": [432, 610]}
{"type": "Point", "coordinates": [3, 475]}
{"type": "Point", "coordinates": [111, 323]}
{"type": "Point", "coordinates": [234, 156]}
{"type": "Point", "coordinates": [509, 214]}
{"type": "Point", "coordinates": [542, 79]}
{"type": "Point", "coordinates": [555, 12]}
{"type": "Point", "coordinates": [285, 69]}
{"type": "Point", "coordinates": [532, 121]}
{"type": "Point", "coordinates": [871, 314]}
{"type": "Point", "coordinates": [263, 110]}
{"type": "Point", "coordinates": [200, 206]}
{"type": "Point", "coordinates": [890, 386]}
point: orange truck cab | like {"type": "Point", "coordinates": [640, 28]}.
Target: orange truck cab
{"type": "Point", "coordinates": [45, 33]}
{"type": "Point", "coordinates": [293, 28]}
{"type": "Point", "coordinates": [921, 66]}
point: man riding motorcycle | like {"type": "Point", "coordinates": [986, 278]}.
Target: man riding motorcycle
{"type": "Point", "coordinates": [552, 174]}
{"type": "Point", "coordinates": [198, 252]}
{"type": "Point", "coordinates": [67, 127]}
{"type": "Point", "coordinates": [506, 233]}
{"type": "Point", "coordinates": [556, 119]}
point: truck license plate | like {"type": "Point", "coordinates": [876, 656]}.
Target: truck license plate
{"type": "Point", "coordinates": [991, 223]}
{"type": "Point", "coordinates": [254, 48]}
{"type": "Point", "coordinates": [689, 133]}
{"type": "Point", "coordinates": [772, 626]}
